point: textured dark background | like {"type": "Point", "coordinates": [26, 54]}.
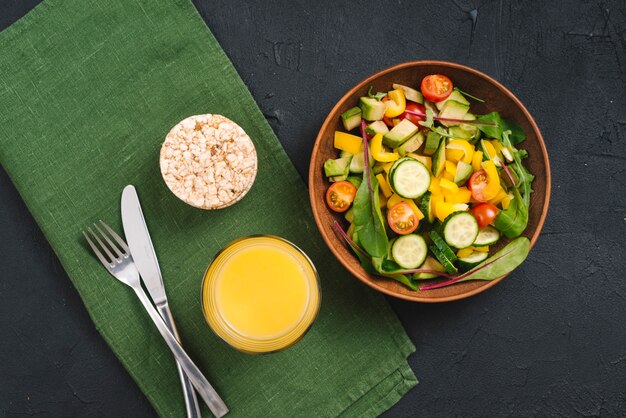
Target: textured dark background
{"type": "Point", "coordinates": [550, 340]}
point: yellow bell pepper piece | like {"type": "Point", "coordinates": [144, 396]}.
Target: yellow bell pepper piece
{"type": "Point", "coordinates": [382, 200]}
{"type": "Point", "coordinates": [447, 176]}
{"type": "Point", "coordinates": [481, 249]}
{"type": "Point", "coordinates": [384, 185]}
{"type": "Point", "coordinates": [387, 167]}
{"type": "Point", "coordinates": [493, 180]}
{"type": "Point", "coordinates": [506, 201]}
{"type": "Point", "coordinates": [378, 151]}
{"type": "Point", "coordinates": [434, 187]}
{"type": "Point", "coordinates": [417, 211]}
{"type": "Point", "coordinates": [498, 147]}
{"type": "Point", "coordinates": [443, 209]}
{"type": "Point", "coordinates": [396, 105]}
{"type": "Point", "coordinates": [499, 197]}
{"type": "Point", "coordinates": [448, 186]}
{"type": "Point", "coordinates": [461, 145]}
{"type": "Point", "coordinates": [454, 155]}
{"type": "Point", "coordinates": [347, 142]}
{"type": "Point", "coordinates": [427, 161]}
{"type": "Point", "coordinates": [478, 158]}
{"type": "Point", "coordinates": [489, 149]}
{"type": "Point", "coordinates": [463, 195]}
{"type": "Point", "coordinates": [393, 200]}
{"type": "Point", "coordinates": [450, 167]}
{"type": "Point", "coordinates": [464, 252]}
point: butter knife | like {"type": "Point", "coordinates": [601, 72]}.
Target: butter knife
{"type": "Point", "coordinates": [145, 259]}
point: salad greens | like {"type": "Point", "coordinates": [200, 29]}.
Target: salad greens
{"type": "Point", "coordinates": [424, 186]}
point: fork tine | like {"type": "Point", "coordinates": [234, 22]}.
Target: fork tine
{"type": "Point", "coordinates": [108, 240]}
{"type": "Point", "coordinates": [102, 246]}
{"type": "Point", "coordinates": [97, 252]}
{"type": "Point", "coordinates": [116, 237]}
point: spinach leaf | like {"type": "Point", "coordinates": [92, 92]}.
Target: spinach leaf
{"type": "Point", "coordinates": [387, 268]}
{"type": "Point", "coordinates": [513, 220]}
{"type": "Point", "coordinates": [378, 96]}
{"type": "Point", "coordinates": [517, 134]}
{"type": "Point", "coordinates": [502, 262]}
{"type": "Point", "coordinates": [491, 131]}
{"type": "Point", "coordinates": [368, 219]}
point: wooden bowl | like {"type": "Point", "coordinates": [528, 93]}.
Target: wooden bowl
{"type": "Point", "coordinates": [497, 98]}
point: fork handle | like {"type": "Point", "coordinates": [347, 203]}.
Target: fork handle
{"type": "Point", "coordinates": [191, 402]}
{"type": "Point", "coordinates": [204, 388]}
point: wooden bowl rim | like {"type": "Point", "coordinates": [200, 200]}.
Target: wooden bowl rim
{"type": "Point", "coordinates": [365, 277]}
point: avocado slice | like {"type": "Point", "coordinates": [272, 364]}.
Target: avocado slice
{"type": "Point", "coordinates": [338, 167]}
{"type": "Point", "coordinates": [453, 110]}
{"type": "Point", "coordinates": [378, 127]}
{"type": "Point", "coordinates": [412, 144]}
{"type": "Point", "coordinates": [458, 132]}
{"type": "Point", "coordinates": [432, 143]}
{"type": "Point", "coordinates": [439, 159]}
{"type": "Point", "coordinates": [351, 118]}
{"type": "Point", "coordinates": [400, 133]}
{"type": "Point", "coordinates": [410, 94]}
{"type": "Point", "coordinates": [456, 96]}
{"type": "Point", "coordinates": [371, 108]}
{"type": "Point", "coordinates": [463, 172]}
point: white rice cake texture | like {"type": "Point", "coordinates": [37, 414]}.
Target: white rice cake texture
{"type": "Point", "coordinates": [208, 161]}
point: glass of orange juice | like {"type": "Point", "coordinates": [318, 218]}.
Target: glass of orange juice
{"type": "Point", "coordinates": [261, 294]}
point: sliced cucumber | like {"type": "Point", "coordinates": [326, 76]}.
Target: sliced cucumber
{"type": "Point", "coordinates": [460, 229]}
{"type": "Point", "coordinates": [429, 264]}
{"type": "Point", "coordinates": [473, 259]}
{"type": "Point", "coordinates": [486, 236]}
{"type": "Point", "coordinates": [357, 165]}
{"type": "Point", "coordinates": [445, 261]}
{"type": "Point", "coordinates": [409, 251]}
{"type": "Point", "coordinates": [442, 246]}
{"type": "Point", "coordinates": [409, 178]}
{"type": "Point", "coordinates": [426, 208]}
{"type": "Point", "coordinates": [351, 118]}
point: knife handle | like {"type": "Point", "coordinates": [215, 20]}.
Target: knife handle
{"type": "Point", "coordinates": [191, 401]}
{"type": "Point", "coordinates": [202, 385]}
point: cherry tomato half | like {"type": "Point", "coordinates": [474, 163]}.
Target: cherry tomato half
{"type": "Point", "coordinates": [340, 195]}
{"type": "Point", "coordinates": [402, 219]}
{"type": "Point", "coordinates": [477, 184]}
{"type": "Point", "coordinates": [415, 107]}
{"type": "Point", "coordinates": [484, 213]}
{"type": "Point", "coordinates": [436, 87]}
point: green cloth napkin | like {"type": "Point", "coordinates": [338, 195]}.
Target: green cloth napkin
{"type": "Point", "coordinates": [88, 91]}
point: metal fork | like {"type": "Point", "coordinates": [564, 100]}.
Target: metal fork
{"type": "Point", "coordinates": [122, 267]}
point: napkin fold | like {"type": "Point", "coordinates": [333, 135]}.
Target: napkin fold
{"type": "Point", "coordinates": [88, 91]}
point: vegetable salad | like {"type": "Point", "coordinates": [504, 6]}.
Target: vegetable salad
{"type": "Point", "coordinates": [427, 187]}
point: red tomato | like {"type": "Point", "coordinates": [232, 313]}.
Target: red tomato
{"type": "Point", "coordinates": [484, 213]}
{"type": "Point", "coordinates": [402, 219]}
{"type": "Point", "coordinates": [436, 87]}
{"type": "Point", "coordinates": [476, 184]}
{"type": "Point", "coordinates": [388, 122]}
{"type": "Point", "coordinates": [340, 195]}
{"type": "Point", "coordinates": [416, 107]}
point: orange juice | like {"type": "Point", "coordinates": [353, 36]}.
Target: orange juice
{"type": "Point", "coordinates": [260, 294]}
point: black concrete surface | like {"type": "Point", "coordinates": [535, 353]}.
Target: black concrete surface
{"type": "Point", "coordinates": [548, 341]}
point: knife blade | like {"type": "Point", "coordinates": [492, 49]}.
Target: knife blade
{"type": "Point", "coordinates": [142, 251]}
